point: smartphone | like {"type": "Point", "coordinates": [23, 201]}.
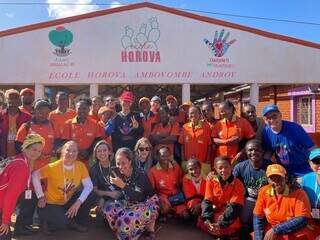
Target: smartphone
{"type": "Point", "coordinates": [116, 171]}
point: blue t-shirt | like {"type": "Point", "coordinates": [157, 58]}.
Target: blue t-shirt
{"type": "Point", "coordinates": [252, 179]}
{"type": "Point", "coordinates": [291, 147]}
{"type": "Point", "coordinates": [312, 188]}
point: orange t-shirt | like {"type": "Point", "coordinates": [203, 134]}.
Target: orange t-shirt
{"type": "Point", "coordinates": [166, 183]}
{"type": "Point", "coordinates": [46, 131]}
{"type": "Point", "coordinates": [148, 123]}
{"type": "Point", "coordinates": [58, 120]}
{"type": "Point", "coordinates": [190, 190]}
{"type": "Point", "coordinates": [170, 129]}
{"type": "Point", "coordinates": [280, 208]}
{"type": "Point", "coordinates": [195, 140]}
{"type": "Point", "coordinates": [221, 195]}
{"type": "Point", "coordinates": [93, 116]}
{"type": "Point", "coordinates": [225, 129]}
{"type": "Point", "coordinates": [12, 131]}
{"type": "Point", "coordinates": [83, 134]}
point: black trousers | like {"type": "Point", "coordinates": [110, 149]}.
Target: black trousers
{"type": "Point", "coordinates": [54, 215]}
{"type": "Point", "coordinates": [7, 236]}
{"type": "Point", "coordinates": [26, 209]}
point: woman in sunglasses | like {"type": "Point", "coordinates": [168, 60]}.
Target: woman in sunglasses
{"type": "Point", "coordinates": [143, 155]}
{"type": "Point", "coordinates": [311, 185]}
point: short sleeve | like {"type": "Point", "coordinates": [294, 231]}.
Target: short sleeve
{"type": "Point", "coordinates": [83, 171]}
{"type": "Point", "coordinates": [303, 138]}
{"type": "Point", "coordinates": [45, 171]}
{"type": "Point", "coordinates": [248, 131]}
{"type": "Point", "coordinates": [258, 209]}
{"type": "Point", "coordinates": [175, 131]}
{"type": "Point", "coordinates": [94, 175]}
{"type": "Point", "coordinates": [302, 207]}
{"type": "Point", "coordinates": [66, 133]}
{"type": "Point", "coordinates": [22, 133]}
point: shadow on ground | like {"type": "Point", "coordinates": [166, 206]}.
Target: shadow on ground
{"type": "Point", "coordinates": [173, 230]}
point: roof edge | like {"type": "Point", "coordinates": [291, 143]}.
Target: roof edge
{"type": "Point", "coordinates": [164, 9]}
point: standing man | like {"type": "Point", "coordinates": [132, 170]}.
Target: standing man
{"type": "Point", "coordinates": [11, 119]}
{"type": "Point", "coordinates": [149, 119]}
{"type": "Point", "coordinates": [27, 99]}
{"type": "Point", "coordinates": [288, 141]}
{"type": "Point", "coordinates": [61, 114]}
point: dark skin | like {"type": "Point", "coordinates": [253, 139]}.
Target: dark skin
{"type": "Point", "coordinates": [255, 154]}
{"type": "Point", "coordinates": [27, 99]}
{"type": "Point", "coordinates": [41, 114]}
{"type": "Point", "coordinates": [82, 110]}
{"type": "Point", "coordinates": [194, 169]}
{"type": "Point", "coordinates": [163, 138]}
{"type": "Point", "coordinates": [63, 102]}
{"type": "Point", "coordinates": [13, 103]}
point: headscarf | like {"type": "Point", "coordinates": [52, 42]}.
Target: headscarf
{"type": "Point", "coordinates": [32, 139]}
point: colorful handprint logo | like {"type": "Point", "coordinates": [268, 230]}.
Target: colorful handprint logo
{"type": "Point", "coordinates": [219, 46]}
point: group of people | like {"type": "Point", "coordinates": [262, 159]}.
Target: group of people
{"type": "Point", "coordinates": [236, 177]}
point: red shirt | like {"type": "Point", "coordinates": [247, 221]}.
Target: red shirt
{"type": "Point", "coordinates": [4, 128]}
{"type": "Point", "coordinates": [13, 181]}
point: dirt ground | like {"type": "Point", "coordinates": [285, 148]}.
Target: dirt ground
{"type": "Point", "coordinates": [173, 230]}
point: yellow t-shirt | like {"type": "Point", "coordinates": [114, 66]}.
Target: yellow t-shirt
{"type": "Point", "coordinates": [62, 183]}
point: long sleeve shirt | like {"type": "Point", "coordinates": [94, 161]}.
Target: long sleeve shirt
{"type": "Point", "coordinates": [13, 181]}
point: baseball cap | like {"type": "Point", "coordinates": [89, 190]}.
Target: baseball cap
{"type": "Point", "coordinates": [315, 155]}
{"type": "Point", "coordinates": [270, 108]}
{"type": "Point", "coordinates": [144, 99]}
{"type": "Point", "coordinates": [171, 97]}
{"type": "Point", "coordinates": [276, 169]}
{"type": "Point", "coordinates": [25, 91]}
{"type": "Point", "coordinates": [155, 98]}
{"type": "Point", "coordinates": [127, 96]}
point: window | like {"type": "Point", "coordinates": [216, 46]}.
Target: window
{"type": "Point", "coordinates": [304, 111]}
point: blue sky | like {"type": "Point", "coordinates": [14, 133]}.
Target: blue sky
{"type": "Point", "coordinates": [12, 15]}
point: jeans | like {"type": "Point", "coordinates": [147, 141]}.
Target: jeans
{"type": "Point", "coordinates": [54, 215]}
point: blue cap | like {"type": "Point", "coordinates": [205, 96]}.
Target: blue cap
{"type": "Point", "coordinates": [155, 98]}
{"type": "Point", "coordinates": [315, 153]}
{"type": "Point", "coordinates": [270, 108]}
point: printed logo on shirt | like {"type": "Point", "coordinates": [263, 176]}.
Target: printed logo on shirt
{"type": "Point", "coordinates": [267, 211]}
{"type": "Point", "coordinates": [162, 183]}
{"type": "Point", "coordinates": [68, 187]}
{"type": "Point", "coordinates": [282, 151]}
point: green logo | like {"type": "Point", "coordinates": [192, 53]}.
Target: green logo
{"type": "Point", "coordinates": [61, 38]}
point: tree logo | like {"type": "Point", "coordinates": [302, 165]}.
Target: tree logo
{"type": "Point", "coordinates": [61, 38]}
{"type": "Point", "coordinates": [219, 46]}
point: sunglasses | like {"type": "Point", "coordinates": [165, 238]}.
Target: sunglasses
{"type": "Point", "coordinates": [144, 149]}
{"type": "Point", "coordinates": [316, 160]}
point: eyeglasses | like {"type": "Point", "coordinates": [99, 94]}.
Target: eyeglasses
{"type": "Point", "coordinates": [110, 100]}
{"type": "Point", "coordinates": [144, 149]}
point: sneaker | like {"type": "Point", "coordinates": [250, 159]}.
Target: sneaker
{"type": "Point", "coordinates": [23, 231]}
{"type": "Point", "coordinates": [77, 227]}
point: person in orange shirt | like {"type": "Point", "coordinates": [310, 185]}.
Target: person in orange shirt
{"type": "Point", "coordinates": [284, 207]}
{"type": "Point", "coordinates": [39, 124]}
{"type": "Point", "coordinates": [27, 99]}
{"type": "Point", "coordinates": [194, 187]}
{"type": "Point", "coordinates": [97, 103]}
{"type": "Point", "coordinates": [105, 116]}
{"type": "Point", "coordinates": [222, 203]}
{"type": "Point", "coordinates": [229, 131]}
{"type": "Point", "coordinates": [195, 140]}
{"type": "Point", "coordinates": [83, 130]}
{"type": "Point", "coordinates": [175, 114]}
{"type": "Point", "coordinates": [11, 119]}
{"type": "Point", "coordinates": [61, 114]}
{"type": "Point", "coordinates": [149, 119]}
{"type": "Point", "coordinates": [166, 178]}
{"type": "Point", "coordinates": [164, 132]}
